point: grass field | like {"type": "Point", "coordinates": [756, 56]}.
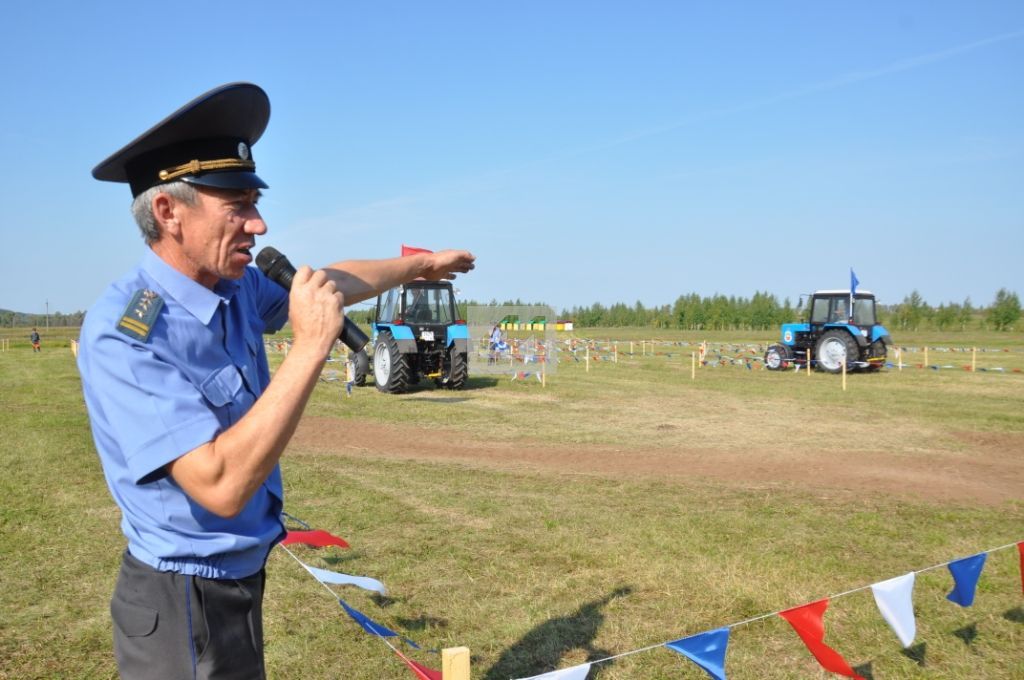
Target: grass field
{"type": "Point", "coordinates": [563, 541]}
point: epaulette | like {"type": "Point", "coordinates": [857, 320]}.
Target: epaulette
{"type": "Point", "coordinates": [140, 314]}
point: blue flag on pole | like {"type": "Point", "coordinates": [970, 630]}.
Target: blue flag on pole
{"type": "Point", "coordinates": [707, 650]}
{"type": "Point", "coordinates": [965, 578]}
{"type": "Point", "coordinates": [853, 282]}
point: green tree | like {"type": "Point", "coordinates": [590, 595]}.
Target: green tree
{"type": "Point", "coordinates": [1005, 311]}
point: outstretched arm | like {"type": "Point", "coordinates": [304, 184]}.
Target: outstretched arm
{"type": "Point", "coordinates": [362, 279]}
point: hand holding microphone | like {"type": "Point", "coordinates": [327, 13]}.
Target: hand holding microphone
{"type": "Point", "coordinates": [278, 269]}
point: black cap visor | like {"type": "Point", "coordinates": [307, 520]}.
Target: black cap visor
{"type": "Point", "coordinates": [227, 180]}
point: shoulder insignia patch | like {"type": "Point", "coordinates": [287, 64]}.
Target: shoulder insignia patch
{"type": "Point", "coordinates": [140, 314]}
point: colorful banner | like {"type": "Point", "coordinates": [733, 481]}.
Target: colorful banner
{"type": "Point", "coordinates": [707, 650]}
{"type": "Point", "coordinates": [572, 673]}
{"type": "Point", "coordinates": [419, 670]}
{"type": "Point", "coordinates": [317, 538]}
{"type": "Point", "coordinates": [809, 623]}
{"type": "Point", "coordinates": [338, 579]}
{"type": "Point", "coordinates": [895, 601]}
{"type": "Point", "coordinates": [965, 578]}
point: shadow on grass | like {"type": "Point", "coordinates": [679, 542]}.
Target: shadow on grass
{"type": "Point", "coordinates": [916, 653]}
{"type": "Point", "coordinates": [541, 649]}
{"type": "Point", "coordinates": [1015, 615]}
{"type": "Point", "coordinates": [864, 670]}
{"type": "Point", "coordinates": [968, 633]}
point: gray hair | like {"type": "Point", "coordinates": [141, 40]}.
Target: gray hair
{"type": "Point", "coordinates": [142, 206]}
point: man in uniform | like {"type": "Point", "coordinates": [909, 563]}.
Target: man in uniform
{"type": "Point", "coordinates": [187, 421]}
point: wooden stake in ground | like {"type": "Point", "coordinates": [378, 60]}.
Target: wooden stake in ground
{"type": "Point", "coordinates": [926, 356]}
{"type": "Point", "coordinates": [974, 358]}
{"type": "Point", "coordinates": [455, 663]}
{"type": "Point", "coordinates": [693, 365]}
{"type": "Point", "coordinates": [808, 361]}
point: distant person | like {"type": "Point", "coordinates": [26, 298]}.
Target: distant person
{"type": "Point", "coordinates": [35, 341]}
{"type": "Point", "coordinates": [495, 344]}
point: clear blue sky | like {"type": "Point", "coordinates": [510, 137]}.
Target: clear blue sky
{"type": "Point", "coordinates": [584, 151]}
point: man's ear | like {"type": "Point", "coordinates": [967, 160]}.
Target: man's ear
{"type": "Point", "coordinates": [165, 212]}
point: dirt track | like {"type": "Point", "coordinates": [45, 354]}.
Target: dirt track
{"type": "Point", "coordinates": [988, 471]}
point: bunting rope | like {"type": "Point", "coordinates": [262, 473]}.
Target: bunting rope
{"type": "Point", "coordinates": [960, 599]}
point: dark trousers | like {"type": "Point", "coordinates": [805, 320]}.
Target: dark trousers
{"type": "Point", "coordinates": [169, 625]}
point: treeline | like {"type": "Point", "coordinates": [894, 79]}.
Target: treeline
{"type": "Point", "coordinates": [761, 312]}
{"type": "Point", "coordinates": [9, 319]}
{"type": "Point", "coordinates": [764, 312]}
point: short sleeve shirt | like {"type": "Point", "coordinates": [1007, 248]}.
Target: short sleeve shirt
{"type": "Point", "coordinates": [152, 399]}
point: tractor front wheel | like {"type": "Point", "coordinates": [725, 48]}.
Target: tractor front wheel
{"type": "Point", "coordinates": [459, 372]}
{"type": "Point", "coordinates": [777, 357]}
{"type": "Point", "coordinates": [834, 349]}
{"type": "Point", "coordinates": [360, 366]}
{"type": "Point", "coordinates": [390, 368]}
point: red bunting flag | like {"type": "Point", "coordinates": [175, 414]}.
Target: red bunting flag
{"type": "Point", "coordinates": [318, 539]}
{"type": "Point", "coordinates": [409, 250]}
{"type": "Point", "coordinates": [419, 670]}
{"type": "Point", "coordinates": [808, 622]}
{"type": "Point", "coordinates": [1020, 549]}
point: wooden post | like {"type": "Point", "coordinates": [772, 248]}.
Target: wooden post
{"type": "Point", "coordinates": [616, 348]}
{"type": "Point", "coordinates": [631, 348]}
{"type": "Point", "coordinates": [974, 357]}
{"type": "Point", "coordinates": [926, 356]}
{"type": "Point", "coordinates": [899, 359]}
{"type": "Point", "coordinates": [808, 361]}
{"type": "Point", "coordinates": [693, 365]}
{"type": "Point", "coordinates": [455, 663]}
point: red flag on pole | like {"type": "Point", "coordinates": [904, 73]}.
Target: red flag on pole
{"type": "Point", "coordinates": [808, 622]}
{"type": "Point", "coordinates": [409, 250]}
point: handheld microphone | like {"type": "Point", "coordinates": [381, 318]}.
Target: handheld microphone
{"type": "Point", "coordinates": [278, 269]}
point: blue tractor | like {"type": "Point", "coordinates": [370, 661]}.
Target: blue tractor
{"type": "Point", "coordinates": [835, 335]}
{"type": "Point", "coordinates": [417, 334]}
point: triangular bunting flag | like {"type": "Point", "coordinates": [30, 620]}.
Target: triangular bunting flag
{"type": "Point", "coordinates": [371, 626]}
{"type": "Point", "coordinates": [707, 650]}
{"type": "Point", "coordinates": [965, 578]}
{"type": "Point", "coordinates": [419, 670]}
{"type": "Point", "coordinates": [571, 673]}
{"type": "Point", "coordinates": [808, 622]}
{"type": "Point", "coordinates": [335, 578]}
{"type": "Point", "coordinates": [1020, 549]}
{"type": "Point", "coordinates": [368, 624]}
{"type": "Point", "coordinates": [317, 538]}
{"type": "Point", "coordinates": [895, 601]}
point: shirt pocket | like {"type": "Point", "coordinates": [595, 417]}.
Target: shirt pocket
{"type": "Point", "coordinates": [222, 386]}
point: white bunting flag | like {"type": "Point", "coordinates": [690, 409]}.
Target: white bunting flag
{"type": "Point", "coordinates": [333, 577]}
{"type": "Point", "coordinates": [573, 673]}
{"type": "Point", "coordinates": [895, 600]}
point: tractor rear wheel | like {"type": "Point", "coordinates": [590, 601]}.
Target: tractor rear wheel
{"type": "Point", "coordinates": [360, 367]}
{"type": "Point", "coordinates": [459, 372]}
{"type": "Point", "coordinates": [835, 348]}
{"type": "Point", "coordinates": [390, 368]}
{"type": "Point", "coordinates": [777, 357]}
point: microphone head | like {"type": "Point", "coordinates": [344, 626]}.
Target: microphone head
{"type": "Point", "coordinates": [275, 266]}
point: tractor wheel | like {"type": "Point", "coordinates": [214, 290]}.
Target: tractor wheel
{"type": "Point", "coordinates": [459, 374]}
{"type": "Point", "coordinates": [777, 357]}
{"type": "Point", "coordinates": [835, 348]}
{"type": "Point", "coordinates": [876, 354]}
{"type": "Point", "coordinates": [361, 367]}
{"type": "Point", "coordinates": [390, 368]}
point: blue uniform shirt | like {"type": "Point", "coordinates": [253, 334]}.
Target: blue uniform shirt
{"type": "Point", "coordinates": [153, 398]}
